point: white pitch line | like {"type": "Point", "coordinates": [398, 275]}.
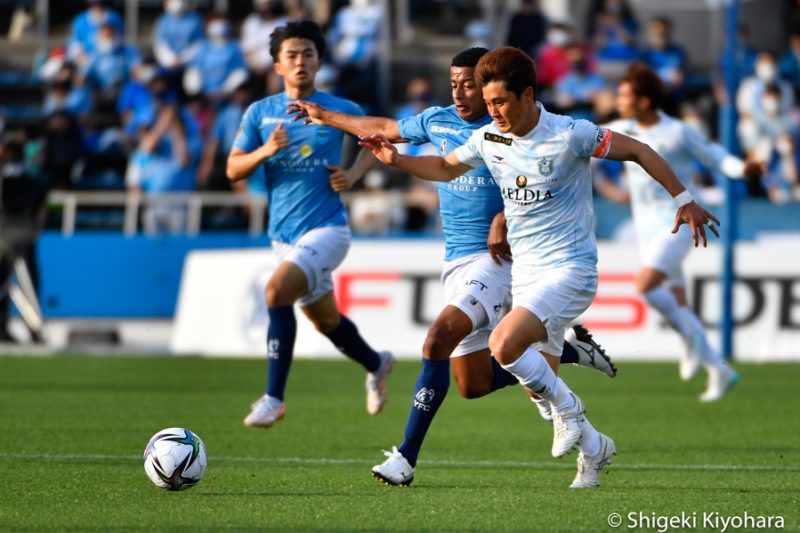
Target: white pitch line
{"type": "Point", "coordinates": [322, 461]}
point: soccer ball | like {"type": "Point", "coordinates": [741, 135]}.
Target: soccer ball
{"type": "Point", "coordinates": [175, 459]}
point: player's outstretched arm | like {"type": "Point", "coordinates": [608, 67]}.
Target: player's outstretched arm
{"type": "Point", "coordinates": [431, 168]}
{"type": "Point", "coordinates": [352, 124]}
{"type": "Point", "coordinates": [624, 148]}
{"type": "Point", "coordinates": [241, 164]}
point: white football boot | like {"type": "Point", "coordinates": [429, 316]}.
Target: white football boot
{"type": "Point", "coordinates": [590, 354]}
{"type": "Point", "coordinates": [588, 476]}
{"type": "Point", "coordinates": [567, 427]}
{"type": "Point", "coordinates": [265, 412]}
{"type": "Point", "coordinates": [377, 385]}
{"type": "Point", "coordinates": [721, 379]}
{"type": "Point", "coordinates": [544, 408]}
{"type": "Point", "coordinates": [395, 470]}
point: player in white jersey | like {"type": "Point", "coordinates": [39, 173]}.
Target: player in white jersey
{"type": "Point", "coordinates": [541, 163]}
{"type": "Point", "coordinates": [660, 279]}
{"type": "Point", "coordinates": [477, 274]}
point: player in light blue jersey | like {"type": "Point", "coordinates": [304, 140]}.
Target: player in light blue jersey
{"type": "Point", "coordinates": [477, 276]}
{"type": "Point", "coordinates": [541, 163]}
{"type": "Point", "coordinates": [660, 281]}
{"type": "Point", "coordinates": [307, 220]}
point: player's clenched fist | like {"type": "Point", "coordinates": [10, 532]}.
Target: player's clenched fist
{"type": "Point", "coordinates": [277, 141]}
{"type": "Point", "coordinates": [339, 179]}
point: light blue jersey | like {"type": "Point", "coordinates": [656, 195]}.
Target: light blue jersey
{"type": "Point", "coordinates": [298, 191]}
{"type": "Point", "coordinates": [546, 184]}
{"type": "Point", "coordinates": [468, 203]}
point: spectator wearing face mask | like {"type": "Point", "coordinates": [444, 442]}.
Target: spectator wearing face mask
{"type": "Point", "coordinates": [789, 65]}
{"type": "Point", "coordinates": [110, 65]}
{"type": "Point", "coordinates": [219, 66]}
{"type": "Point", "coordinates": [419, 97]}
{"type": "Point", "coordinates": [668, 60]}
{"type": "Point", "coordinates": [86, 29]}
{"type": "Point", "coordinates": [66, 93]}
{"type": "Point", "coordinates": [256, 30]}
{"type": "Point", "coordinates": [177, 36]}
{"type": "Point", "coordinates": [135, 94]}
{"type": "Point", "coordinates": [553, 60]}
{"type": "Point", "coordinates": [750, 94]}
{"type": "Point", "coordinates": [769, 137]}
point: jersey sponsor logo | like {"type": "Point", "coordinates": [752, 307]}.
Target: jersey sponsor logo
{"type": "Point", "coordinates": [444, 129]}
{"type": "Point", "coordinates": [272, 120]}
{"type": "Point", "coordinates": [423, 399]}
{"type": "Point", "coordinates": [545, 166]}
{"type": "Point", "coordinates": [527, 196]}
{"type": "Point", "coordinates": [482, 286]}
{"type": "Point", "coordinates": [522, 181]}
{"type": "Point", "coordinates": [469, 183]}
{"type": "Point", "coordinates": [493, 137]}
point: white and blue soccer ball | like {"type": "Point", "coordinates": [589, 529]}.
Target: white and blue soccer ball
{"type": "Point", "coordinates": [175, 459]}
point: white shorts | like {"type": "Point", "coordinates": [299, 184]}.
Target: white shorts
{"type": "Point", "coordinates": [317, 253]}
{"type": "Point", "coordinates": [476, 280]}
{"type": "Point", "coordinates": [556, 297]}
{"type": "Point", "coordinates": [666, 252]}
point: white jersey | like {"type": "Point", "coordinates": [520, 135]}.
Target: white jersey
{"type": "Point", "coordinates": [680, 145]}
{"type": "Point", "coordinates": [546, 185]}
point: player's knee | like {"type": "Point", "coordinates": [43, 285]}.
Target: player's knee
{"type": "Point", "coordinates": [277, 295]}
{"type": "Point", "coordinates": [503, 347]}
{"type": "Point", "coordinates": [439, 343]}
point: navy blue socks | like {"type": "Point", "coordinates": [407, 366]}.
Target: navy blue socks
{"type": "Point", "coordinates": [347, 339]}
{"type": "Point", "coordinates": [281, 334]}
{"type": "Point", "coordinates": [429, 393]}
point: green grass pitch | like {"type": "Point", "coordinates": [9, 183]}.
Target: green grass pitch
{"type": "Point", "coordinates": [72, 430]}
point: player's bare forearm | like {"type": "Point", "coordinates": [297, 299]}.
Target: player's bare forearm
{"type": "Point", "coordinates": [241, 164]}
{"type": "Point", "coordinates": [364, 162]}
{"type": "Point", "coordinates": [430, 168]}
{"type": "Point", "coordinates": [363, 126]}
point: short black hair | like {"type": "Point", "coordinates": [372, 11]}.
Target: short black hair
{"type": "Point", "coordinates": [468, 57]}
{"type": "Point", "coordinates": [305, 29]}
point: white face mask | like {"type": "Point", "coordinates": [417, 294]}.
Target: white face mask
{"type": "Point", "coordinates": [105, 45]}
{"type": "Point", "coordinates": [558, 37]}
{"type": "Point", "coordinates": [770, 106]}
{"type": "Point", "coordinates": [217, 30]}
{"type": "Point", "coordinates": [360, 4]}
{"type": "Point", "coordinates": [766, 72]}
{"type": "Point", "coordinates": [175, 6]}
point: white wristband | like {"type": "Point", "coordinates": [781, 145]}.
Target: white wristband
{"type": "Point", "coordinates": [683, 198]}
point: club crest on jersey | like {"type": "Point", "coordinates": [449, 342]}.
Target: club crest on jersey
{"type": "Point", "coordinates": [545, 166]}
{"type": "Point", "coordinates": [493, 137]}
{"type": "Point", "coordinates": [306, 150]}
{"type": "Point", "coordinates": [522, 181]}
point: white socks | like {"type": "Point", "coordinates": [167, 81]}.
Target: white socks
{"type": "Point", "coordinates": [533, 372]}
{"type": "Point", "coordinates": [685, 322]}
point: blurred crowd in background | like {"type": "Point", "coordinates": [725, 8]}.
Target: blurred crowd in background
{"type": "Point", "coordinates": [161, 118]}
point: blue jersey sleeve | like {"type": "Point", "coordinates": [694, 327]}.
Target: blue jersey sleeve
{"type": "Point", "coordinates": [415, 129]}
{"type": "Point", "coordinates": [248, 137]}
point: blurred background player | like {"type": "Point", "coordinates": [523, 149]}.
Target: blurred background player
{"type": "Point", "coordinates": [476, 277]}
{"type": "Point", "coordinates": [660, 280]}
{"type": "Point", "coordinates": [307, 222]}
